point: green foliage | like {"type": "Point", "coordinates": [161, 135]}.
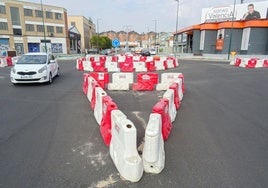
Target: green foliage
{"type": "Point", "coordinates": [101, 42]}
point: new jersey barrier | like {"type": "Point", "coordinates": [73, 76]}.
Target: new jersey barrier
{"type": "Point", "coordinates": [120, 134]}
{"type": "Point", "coordinates": [123, 147]}
{"type": "Point", "coordinates": [153, 151]}
{"type": "Point", "coordinates": [125, 63]}
{"type": "Point", "coordinates": [250, 62]}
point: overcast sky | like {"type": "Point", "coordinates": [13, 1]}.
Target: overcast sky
{"type": "Point", "coordinates": [138, 14]}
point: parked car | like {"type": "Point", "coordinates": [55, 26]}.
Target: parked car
{"type": "Point", "coordinates": [152, 51]}
{"type": "Point", "coordinates": [145, 52]}
{"type": "Point", "coordinates": [34, 68]}
{"type": "Point", "coordinates": [92, 51]}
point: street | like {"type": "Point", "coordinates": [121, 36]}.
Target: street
{"type": "Point", "coordinates": [49, 136]}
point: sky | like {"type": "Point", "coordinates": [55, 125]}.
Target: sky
{"type": "Point", "coordinates": [139, 15]}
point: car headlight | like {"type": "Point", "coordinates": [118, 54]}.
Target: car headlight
{"type": "Point", "coordinates": [42, 69]}
{"type": "Point", "coordinates": [13, 70]}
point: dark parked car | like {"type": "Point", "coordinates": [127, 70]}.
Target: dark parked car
{"type": "Point", "coordinates": [145, 52]}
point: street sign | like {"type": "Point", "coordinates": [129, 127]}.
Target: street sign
{"type": "Point", "coordinates": [116, 43]}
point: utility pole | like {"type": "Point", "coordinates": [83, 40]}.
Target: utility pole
{"type": "Point", "coordinates": [44, 31]}
{"type": "Point", "coordinates": [175, 43]}
{"type": "Point", "coordinates": [148, 35]}
{"type": "Point", "coordinates": [98, 34]}
{"type": "Point", "coordinates": [127, 30]}
{"type": "Point", "coordinates": [155, 26]}
{"type": "Point", "coordinates": [231, 34]}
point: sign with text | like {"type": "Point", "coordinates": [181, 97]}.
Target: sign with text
{"type": "Point", "coordinates": [246, 11]}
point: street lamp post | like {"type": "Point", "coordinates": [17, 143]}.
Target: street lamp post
{"type": "Point", "coordinates": [148, 35]}
{"type": "Point", "coordinates": [155, 25]}
{"type": "Point", "coordinates": [127, 30]}
{"type": "Point", "coordinates": [98, 34]}
{"type": "Point", "coordinates": [44, 31]}
{"type": "Point", "coordinates": [177, 20]}
{"type": "Point", "coordinates": [231, 34]}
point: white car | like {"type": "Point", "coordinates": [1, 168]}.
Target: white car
{"type": "Point", "coordinates": [34, 68]}
{"type": "Point", "coordinates": [152, 51]}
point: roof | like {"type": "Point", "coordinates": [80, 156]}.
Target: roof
{"type": "Point", "coordinates": [73, 29]}
{"type": "Point", "coordinates": [225, 25]}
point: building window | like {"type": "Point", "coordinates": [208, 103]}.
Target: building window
{"type": "Point", "coordinates": [2, 9]}
{"type": "Point", "coordinates": [29, 27]}
{"type": "Point", "coordinates": [40, 28]}
{"type": "Point", "coordinates": [50, 29]}
{"type": "Point", "coordinates": [17, 32]}
{"type": "Point", "coordinates": [15, 15]}
{"type": "Point", "coordinates": [49, 15]}
{"type": "Point", "coordinates": [38, 13]}
{"type": "Point", "coordinates": [58, 16]}
{"type": "Point", "coordinates": [28, 12]}
{"type": "Point", "coordinates": [3, 26]}
{"type": "Point", "coordinates": [59, 29]}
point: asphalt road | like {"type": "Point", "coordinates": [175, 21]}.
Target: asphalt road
{"type": "Point", "coordinates": [49, 137]}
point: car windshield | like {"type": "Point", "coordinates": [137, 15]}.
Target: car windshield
{"type": "Point", "coordinates": [32, 59]}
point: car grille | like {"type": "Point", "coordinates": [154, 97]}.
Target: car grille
{"type": "Point", "coordinates": [26, 73]}
{"type": "Point", "coordinates": [28, 80]}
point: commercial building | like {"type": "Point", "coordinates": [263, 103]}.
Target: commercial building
{"type": "Point", "coordinates": [225, 29]}
{"type": "Point", "coordinates": [32, 27]}
{"type": "Point", "coordinates": [86, 28]}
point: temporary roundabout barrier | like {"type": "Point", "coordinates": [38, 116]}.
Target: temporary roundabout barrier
{"type": "Point", "coordinates": [117, 131]}
{"type": "Point", "coordinates": [126, 63]}
{"type": "Point", "coordinates": [7, 61]}
{"type": "Point", "coordinates": [250, 62]}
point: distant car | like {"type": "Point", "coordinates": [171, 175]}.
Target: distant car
{"type": "Point", "coordinates": [145, 52]}
{"type": "Point", "coordinates": [137, 51]}
{"type": "Point", "coordinates": [152, 51]}
{"type": "Point", "coordinates": [34, 68]}
{"type": "Point", "coordinates": [92, 51]}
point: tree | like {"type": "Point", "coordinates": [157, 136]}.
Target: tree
{"type": "Point", "coordinates": [101, 42]}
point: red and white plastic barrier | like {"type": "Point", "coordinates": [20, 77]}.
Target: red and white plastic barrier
{"type": "Point", "coordinates": [120, 134]}
{"type": "Point", "coordinates": [87, 66]}
{"type": "Point", "coordinates": [91, 94]}
{"type": "Point", "coordinates": [177, 89]}
{"type": "Point", "coordinates": [250, 62]}
{"type": "Point", "coordinates": [79, 64]}
{"type": "Point", "coordinates": [153, 154]}
{"type": "Point", "coordinates": [3, 62]}
{"type": "Point", "coordinates": [112, 66]}
{"type": "Point", "coordinates": [8, 61]}
{"type": "Point", "coordinates": [125, 63]}
{"type": "Point", "coordinates": [172, 111]}
{"type": "Point", "coordinates": [90, 81]}
{"type": "Point", "coordinates": [123, 149]}
{"type": "Point", "coordinates": [121, 81]}
{"type": "Point", "coordinates": [99, 66]}
{"type": "Point", "coordinates": [101, 77]}
{"type": "Point", "coordinates": [162, 108]}
{"type": "Point", "coordinates": [85, 83]}
{"type": "Point", "coordinates": [145, 82]}
{"type": "Point", "coordinates": [167, 79]}
{"type": "Point", "coordinates": [98, 111]}
{"type": "Point", "coordinates": [126, 66]}
{"type": "Point", "coordinates": [108, 105]}
{"type": "Point", "coordinates": [139, 66]}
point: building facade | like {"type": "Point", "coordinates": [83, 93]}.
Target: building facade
{"type": "Point", "coordinates": [227, 29]}
{"type": "Point", "coordinates": [31, 27]}
{"type": "Point", "coordinates": [86, 28]}
{"type": "Point", "coordinates": [75, 40]}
